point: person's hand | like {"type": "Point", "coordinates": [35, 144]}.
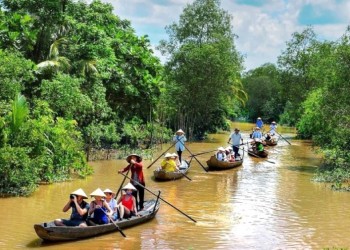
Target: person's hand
{"type": "Point", "coordinates": [97, 206]}
{"type": "Point", "coordinates": [120, 171]}
{"type": "Point", "coordinates": [75, 198]}
{"type": "Point", "coordinates": [132, 161]}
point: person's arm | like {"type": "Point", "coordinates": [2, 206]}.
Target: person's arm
{"type": "Point", "coordinates": [67, 206]}
{"type": "Point", "coordinates": [92, 208]}
{"type": "Point", "coordinates": [80, 210]}
{"type": "Point", "coordinates": [110, 211]}
{"type": "Point", "coordinates": [137, 164]}
{"type": "Point", "coordinates": [124, 169]}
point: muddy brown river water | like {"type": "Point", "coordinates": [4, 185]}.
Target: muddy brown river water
{"type": "Point", "coordinates": [260, 205]}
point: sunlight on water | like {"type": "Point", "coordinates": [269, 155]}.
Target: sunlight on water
{"type": "Point", "coordinates": [260, 205]}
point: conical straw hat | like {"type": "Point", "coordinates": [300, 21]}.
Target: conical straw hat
{"type": "Point", "coordinates": [180, 132]}
{"type": "Point", "coordinates": [80, 192]}
{"type": "Point", "coordinates": [98, 192]}
{"type": "Point", "coordinates": [129, 186]}
{"type": "Point", "coordinates": [107, 190]}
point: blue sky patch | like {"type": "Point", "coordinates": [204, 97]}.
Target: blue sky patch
{"type": "Point", "coordinates": [310, 15]}
{"type": "Point", "coordinates": [256, 3]}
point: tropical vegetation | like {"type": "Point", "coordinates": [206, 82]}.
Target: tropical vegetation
{"type": "Point", "coordinates": [74, 77]}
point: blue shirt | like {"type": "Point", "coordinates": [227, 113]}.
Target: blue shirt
{"type": "Point", "coordinates": [236, 138]}
{"type": "Point", "coordinates": [259, 123]}
{"type": "Point", "coordinates": [256, 134]}
{"type": "Point", "coordinates": [180, 142]}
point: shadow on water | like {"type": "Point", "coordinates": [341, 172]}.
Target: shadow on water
{"type": "Point", "coordinates": [303, 169]}
{"type": "Point", "coordinates": [42, 243]}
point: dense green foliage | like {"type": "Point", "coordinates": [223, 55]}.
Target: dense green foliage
{"type": "Point", "coordinates": [309, 89]}
{"type": "Point", "coordinates": [264, 93]}
{"type": "Point", "coordinates": [203, 72]}
{"type": "Point", "coordinates": [86, 77]}
{"type": "Point", "coordinates": [75, 77]}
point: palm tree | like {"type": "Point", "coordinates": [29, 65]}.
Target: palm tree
{"type": "Point", "coordinates": [55, 62]}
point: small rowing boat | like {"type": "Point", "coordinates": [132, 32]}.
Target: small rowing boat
{"type": "Point", "coordinates": [214, 164]}
{"type": "Point", "coordinates": [49, 232]}
{"type": "Point", "coordinates": [270, 142]}
{"type": "Point", "coordinates": [259, 154]}
{"type": "Point", "coordinates": [162, 175]}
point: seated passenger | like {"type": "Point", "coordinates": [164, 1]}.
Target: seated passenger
{"type": "Point", "coordinates": [127, 202]}
{"type": "Point", "coordinates": [176, 159]}
{"type": "Point", "coordinates": [112, 203]}
{"type": "Point", "coordinates": [99, 208]}
{"type": "Point", "coordinates": [230, 155]}
{"type": "Point", "coordinates": [273, 128]}
{"type": "Point", "coordinates": [79, 210]}
{"type": "Point", "coordinates": [168, 164]}
{"type": "Point", "coordinates": [257, 133]}
{"type": "Point", "coordinates": [221, 155]}
{"type": "Point", "coordinates": [258, 145]}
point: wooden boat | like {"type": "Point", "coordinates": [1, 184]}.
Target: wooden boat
{"type": "Point", "coordinates": [214, 164]}
{"type": "Point", "coordinates": [161, 175]}
{"type": "Point", "coordinates": [49, 232]}
{"type": "Point", "coordinates": [270, 143]}
{"type": "Point", "coordinates": [259, 154]}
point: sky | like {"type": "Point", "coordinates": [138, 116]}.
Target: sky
{"type": "Point", "coordinates": [263, 26]}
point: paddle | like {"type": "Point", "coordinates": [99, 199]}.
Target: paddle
{"type": "Point", "coordinates": [121, 185]}
{"type": "Point", "coordinates": [204, 152]}
{"type": "Point", "coordinates": [184, 173]}
{"type": "Point", "coordinates": [192, 155]}
{"type": "Point", "coordinates": [161, 155]}
{"type": "Point", "coordinates": [185, 176]}
{"type": "Point", "coordinates": [283, 138]}
{"type": "Point", "coordinates": [115, 224]}
{"type": "Point", "coordinates": [160, 198]}
{"type": "Point", "coordinates": [256, 155]}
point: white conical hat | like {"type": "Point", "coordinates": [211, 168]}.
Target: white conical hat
{"type": "Point", "coordinates": [180, 132]}
{"type": "Point", "coordinates": [168, 155]}
{"type": "Point", "coordinates": [221, 149]}
{"type": "Point", "coordinates": [139, 158]}
{"type": "Point", "coordinates": [107, 190]}
{"type": "Point", "coordinates": [98, 192]}
{"type": "Point", "coordinates": [80, 192]}
{"type": "Point", "coordinates": [174, 155]}
{"type": "Point", "coordinates": [129, 186]}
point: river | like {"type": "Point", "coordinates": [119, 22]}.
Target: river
{"type": "Point", "coordinates": [260, 205]}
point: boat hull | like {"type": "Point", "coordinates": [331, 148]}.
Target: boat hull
{"type": "Point", "coordinates": [161, 175]}
{"type": "Point", "coordinates": [49, 232]}
{"type": "Point", "coordinates": [214, 164]}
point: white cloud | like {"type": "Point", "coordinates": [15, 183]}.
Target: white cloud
{"type": "Point", "coordinates": [263, 31]}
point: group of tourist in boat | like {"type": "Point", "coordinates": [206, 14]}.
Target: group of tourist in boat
{"type": "Point", "coordinates": [170, 163]}
{"type": "Point", "coordinates": [105, 207]}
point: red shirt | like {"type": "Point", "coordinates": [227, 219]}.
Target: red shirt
{"type": "Point", "coordinates": [136, 170]}
{"type": "Point", "coordinates": [128, 203]}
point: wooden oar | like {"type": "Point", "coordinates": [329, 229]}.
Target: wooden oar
{"type": "Point", "coordinates": [121, 185]}
{"type": "Point", "coordinates": [185, 176]}
{"type": "Point", "coordinates": [256, 155]}
{"type": "Point", "coordinates": [283, 138]}
{"type": "Point", "coordinates": [115, 224]}
{"type": "Point", "coordinates": [192, 155]}
{"type": "Point", "coordinates": [161, 198]}
{"type": "Point", "coordinates": [204, 152]}
{"type": "Point", "coordinates": [161, 155]}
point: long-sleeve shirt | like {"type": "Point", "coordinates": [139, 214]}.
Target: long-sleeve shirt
{"type": "Point", "coordinates": [136, 172]}
{"type": "Point", "coordinates": [180, 142]}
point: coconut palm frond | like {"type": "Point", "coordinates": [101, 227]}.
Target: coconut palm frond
{"type": "Point", "coordinates": [20, 112]}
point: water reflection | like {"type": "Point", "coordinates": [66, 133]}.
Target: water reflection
{"type": "Point", "coordinates": [260, 205]}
